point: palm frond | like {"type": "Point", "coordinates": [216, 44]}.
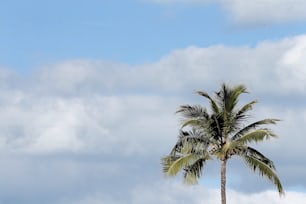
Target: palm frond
{"type": "Point", "coordinates": [191, 147]}
{"type": "Point", "coordinates": [182, 162]}
{"type": "Point", "coordinates": [264, 167]}
{"type": "Point", "coordinates": [237, 117]}
{"type": "Point", "coordinates": [241, 112]}
{"type": "Point", "coordinates": [255, 136]}
{"type": "Point", "coordinates": [254, 153]}
{"type": "Point", "coordinates": [194, 135]}
{"type": "Point", "coordinates": [207, 128]}
{"type": "Point", "coordinates": [195, 111]}
{"type": "Point", "coordinates": [193, 172]}
{"type": "Point", "coordinates": [192, 141]}
{"type": "Point", "coordinates": [234, 94]}
{"type": "Point", "coordinates": [253, 126]}
{"type": "Point", "coordinates": [213, 104]}
{"type": "Point", "coordinates": [167, 161]}
{"type": "Point", "coordinates": [228, 96]}
{"type": "Point", "coordinates": [194, 122]}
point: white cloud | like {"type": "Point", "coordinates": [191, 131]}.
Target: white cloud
{"type": "Point", "coordinates": [256, 12]}
{"type": "Point", "coordinates": [91, 105]}
{"type": "Point", "coordinates": [93, 124]}
{"type": "Point", "coordinates": [124, 115]}
{"type": "Point", "coordinates": [265, 11]}
{"type": "Point", "coordinates": [277, 64]}
{"type": "Point", "coordinates": [265, 67]}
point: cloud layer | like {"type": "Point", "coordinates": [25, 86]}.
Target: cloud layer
{"type": "Point", "coordinates": [95, 129]}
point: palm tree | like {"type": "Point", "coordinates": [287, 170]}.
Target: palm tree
{"type": "Point", "coordinates": [219, 134]}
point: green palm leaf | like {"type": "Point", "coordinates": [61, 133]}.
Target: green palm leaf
{"type": "Point", "coordinates": [255, 136]}
{"type": "Point", "coordinates": [183, 162]}
{"type": "Point", "coordinates": [265, 168]}
{"type": "Point", "coordinates": [237, 117]}
{"type": "Point", "coordinates": [195, 111]}
{"type": "Point", "coordinates": [233, 93]}
{"type": "Point", "coordinates": [253, 126]}
{"type": "Point", "coordinates": [213, 104]}
{"type": "Point", "coordinates": [241, 112]}
{"type": "Point", "coordinates": [167, 161]}
{"type": "Point", "coordinates": [193, 172]}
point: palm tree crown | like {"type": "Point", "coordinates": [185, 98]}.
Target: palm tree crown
{"type": "Point", "coordinates": [219, 133]}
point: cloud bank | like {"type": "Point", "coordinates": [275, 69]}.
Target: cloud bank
{"type": "Point", "coordinates": [97, 129]}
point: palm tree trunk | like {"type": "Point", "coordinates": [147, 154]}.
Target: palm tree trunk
{"type": "Point", "coordinates": [223, 181]}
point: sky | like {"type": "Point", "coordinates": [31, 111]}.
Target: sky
{"type": "Point", "coordinates": [89, 90]}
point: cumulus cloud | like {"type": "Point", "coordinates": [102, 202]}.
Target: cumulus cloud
{"type": "Point", "coordinates": [84, 124]}
{"type": "Point", "coordinates": [277, 64]}
{"type": "Point", "coordinates": [265, 11]}
{"type": "Point", "coordinates": [257, 12]}
{"type": "Point", "coordinates": [107, 124]}
{"type": "Point", "coordinates": [269, 66]}
{"type": "Point", "coordinates": [90, 105]}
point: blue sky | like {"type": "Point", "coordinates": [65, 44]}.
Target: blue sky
{"type": "Point", "coordinates": [88, 93]}
{"type": "Point", "coordinates": [35, 32]}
